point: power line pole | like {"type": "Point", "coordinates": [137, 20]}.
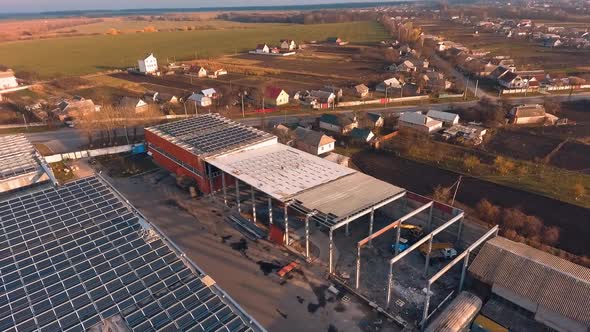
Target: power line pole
{"type": "Point", "coordinates": [456, 189]}
{"type": "Point", "coordinates": [476, 87]}
{"type": "Point", "coordinates": [243, 114]}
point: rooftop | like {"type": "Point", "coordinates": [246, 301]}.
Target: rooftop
{"type": "Point", "coordinates": [20, 164]}
{"type": "Point", "coordinates": [210, 134]}
{"type": "Point", "coordinates": [553, 282]}
{"type": "Point", "coordinates": [312, 137]}
{"type": "Point", "coordinates": [75, 255]}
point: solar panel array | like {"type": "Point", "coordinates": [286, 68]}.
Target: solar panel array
{"type": "Point", "coordinates": [72, 256]}
{"type": "Point", "coordinates": [210, 133]}
{"type": "Point", "coordinates": [17, 157]}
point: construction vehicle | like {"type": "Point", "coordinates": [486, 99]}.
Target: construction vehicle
{"type": "Point", "coordinates": [439, 250]}
{"type": "Point", "coordinates": [484, 324]}
{"type": "Point", "coordinates": [413, 232]}
{"type": "Point", "coordinates": [403, 245]}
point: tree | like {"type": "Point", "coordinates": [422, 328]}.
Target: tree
{"type": "Point", "coordinates": [503, 166]}
{"type": "Point", "coordinates": [471, 163]}
{"type": "Point", "coordinates": [532, 227]}
{"type": "Point", "coordinates": [579, 191]}
{"type": "Point", "coordinates": [513, 219]}
{"type": "Point", "coordinates": [488, 212]}
{"type": "Point", "coordinates": [441, 194]}
{"type": "Point", "coordinates": [550, 235]}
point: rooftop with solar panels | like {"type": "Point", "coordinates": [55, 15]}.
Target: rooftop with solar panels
{"type": "Point", "coordinates": [21, 165]}
{"type": "Point", "coordinates": [77, 256]}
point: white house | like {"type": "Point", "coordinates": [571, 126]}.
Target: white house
{"type": "Point", "coordinates": [313, 142]}
{"type": "Point", "coordinates": [148, 65]}
{"type": "Point", "coordinates": [135, 104]}
{"type": "Point", "coordinates": [211, 93]}
{"type": "Point", "coordinates": [202, 72]}
{"type": "Point", "coordinates": [7, 80]}
{"type": "Point", "coordinates": [447, 118]}
{"type": "Point", "coordinates": [288, 44]}
{"type": "Point", "coordinates": [389, 83]}
{"type": "Point", "coordinates": [200, 100]}
{"type": "Point", "coordinates": [262, 48]}
{"type": "Point", "coordinates": [512, 80]}
{"type": "Point", "coordinates": [276, 96]}
{"type": "Point", "coordinates": [419, 122]}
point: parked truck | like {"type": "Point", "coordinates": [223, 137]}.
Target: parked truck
{"type": "Point", "coordinates": [439, 251]}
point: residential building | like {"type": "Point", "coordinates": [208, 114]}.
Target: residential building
{"type": "Point", "coordinates": [388, 84]}
{"type": "Point", "coordinates": [334, 40]}
{"type": "Point", "coordinates": [262, 48]}
{"type": "Point", "coordinates": [419, 122]}
{"type": "Point", "coordinates": [210, 93]}
{"type": "Point", "coordinates": [219, 72]}
{"type": "Point", "coordinates": [512, 80]}
{"type": "Point", "coordinates": [133, 104]}
{"type": "Point", "coordinates": [338, 123]}
{"type": "Point", "coordinates": [363, 135]}
{"type": "Point", "coordinates": [199, 99]}
{"type": "Point", "coordinates": [361, 90]}
{"type": "Point", "coordinates": [148, 65]}
{"type": "Point", "coordinates": [447, 118]}
{"type": "Point", "coordinates": [7, 80]}
{"type": "Point", "coordinates": [550, 290]}
{"type": "Point", "coordinates": [500, 71]}
{"type": "Point", "coordinates": [404, 66]}
{"type": "Point", "coordinates": [288, 45]}
{"type": "Point", "coordinates": [321, 97]}
{"type": "Point", "coordinates": [275, 96]}
{"type": "Point", "coordinates": [202, 72]}
{"type": "Point", "coordinates": [374, 120]}
{"type": "Point", "coordinates": [74, 109]}
{"type": "Point", "coordinates": [530, 114]}
{"type": "Point", "coordinates": [313, 142]}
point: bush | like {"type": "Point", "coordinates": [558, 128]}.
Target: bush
{"type": "Point", "coordinates": [532, 227]}
{"type": "Point", "coordinates": [513, 219]}
{"type": "Point", "coordinates": [471, 163]}
{"type": "Point", "coordinates": [551, 235]}
{"type": "Point", "coordinates": [503, 165]}
{"type": "Point", "coordinates": [442, 194]}
{"type": "Point", "coordinates": [488, 212]}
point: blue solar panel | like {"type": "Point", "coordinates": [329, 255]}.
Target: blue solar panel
{"type": "Point", "coordinates": [74, 255]}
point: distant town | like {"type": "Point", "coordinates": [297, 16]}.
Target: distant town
{"type": "Point", "coordinates": [410, 166]}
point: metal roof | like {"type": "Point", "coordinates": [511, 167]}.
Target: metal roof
{"type": "Point", "coordinates": [550, 281]}
{"type": "Point", "coordinates": [18, 157]}
{"type": "Point", "coordinates": [279, 170]}
{"type": "Point", "coordinates": [73, 256]}
{"type": "Point", "coordinates": [210, 134]}
{"type": "Point", "coordinates": [458, 315]}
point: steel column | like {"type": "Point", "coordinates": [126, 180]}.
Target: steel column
{"type": "Point", "coordinates": [286, 225]}
{"type": "Point", "coordinates": [358, 266]}
{"type": "Point", "coordinates": [430, 218]}
{"type": "Point", "coordinates": [463, 271]}
{"type": "Point", "coordinates": [224, 189]}
{"type": "Point", "coordinates": [398, 233]}
{"type": "Point", "coordinates": [253, 204]}
{"type": "Point", "coordinates": [459, 230]}
{"type": "Point", "coordinates": [426, 305]}
{"type": "Point", "coordinates": [210, 180]}
{"type": "Point", "coordinates": [371, 226]}
{"type": "Point", "coordinates": [331, 249]}
{"type": "Point", "coordinates": [427, 263]}
{"type": "Point", "coordinates": [269, 212]}
{"type": "Point", "coordinates": [389, 284]}
{"type": "Point", "coordinates": [238, 195]}
{"type": "Point", "coordinates": [346, 232]}
{"type": "Point", "coordinates": [307, 236]}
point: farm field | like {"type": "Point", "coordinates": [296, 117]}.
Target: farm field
{"type": "Point", "coordinates": [89, 54]}
{"type": "Point", "coordinates": [520, 144]}
{"type": "Point", "coordinates": [527, 54]}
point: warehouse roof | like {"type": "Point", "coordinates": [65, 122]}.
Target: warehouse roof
{"type": "Point", "coordinates": [210, 134]}
{"type": "Point", "coordinates": [279, 170]}
{"type": "Point", "coordinates": [20, 163]}
{"type": "Point", "coordinates": [73, 256]}
{"type": "Point", "coordinates": [550, 281]}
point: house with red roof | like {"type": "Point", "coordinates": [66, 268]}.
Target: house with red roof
{"type": "Point", "coordinates": [275, 96]}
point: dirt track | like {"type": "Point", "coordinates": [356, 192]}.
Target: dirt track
{"type": "Point", "coordinates": [420, 178]}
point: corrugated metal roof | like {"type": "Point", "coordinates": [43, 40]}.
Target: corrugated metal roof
{"type": "Point", "coordinates": [458, 315]}
{"type": "Point", "coordinates": [551, 281]}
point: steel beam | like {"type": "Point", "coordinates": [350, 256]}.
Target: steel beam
{"type": "Point", "coordinates": [210, 180]}
{"type": "Point", "coordinates": [429, 227]}
{"type": "Point", "coordinates": [253, 204]}
{"type": "Point", "coordinates": [367, 211]}
{"type": "Point", "coordinates": [269, 211]}
{"type": "Point", "coordinates": [370, 228]}
{"type": "Point", "coordinates": [427, 258]}
{"type": "Point", "coordinates": [389, 284]}
{"type": "Point", "coordinates": [426, 305]}
{"type": "Point", "coordinates": [307, 216]}
{"type": "Point", "coordinates": [346, 232]}
{"type": "Point", "coordinates": [463, 271]}
{"type": "Point", "coordinates": [286, 224]}
{"type": "Point", "coordinates": [358, 266]}
{"type": "Point", "coordinates": [331, 254]}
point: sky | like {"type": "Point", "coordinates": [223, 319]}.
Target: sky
{"type": "Point", "coordinates": [32, 6]}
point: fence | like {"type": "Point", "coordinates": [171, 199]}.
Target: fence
{"type": "Point", "coordinates": [379, 101]}
{"type": "Point", "coordinates": [135, 148]}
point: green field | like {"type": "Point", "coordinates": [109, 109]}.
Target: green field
{"type": "Point", "coordinates": [85, 55]}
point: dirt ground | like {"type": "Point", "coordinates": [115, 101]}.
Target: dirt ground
{"type": "Point", "coordinates": [521, 144]}
{"type": "Point", "coordinates": [420, 178]}
{"type": "Point", "coordinates": [243, 268]}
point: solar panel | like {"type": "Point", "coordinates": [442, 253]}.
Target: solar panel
{"type": "Point", "coordinates": [75, 255]}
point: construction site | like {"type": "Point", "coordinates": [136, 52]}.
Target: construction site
{"type": "Point", "coordinates": [403, 254]}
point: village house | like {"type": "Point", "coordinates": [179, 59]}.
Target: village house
{"type": "Point", "coordinates": [435, 81]}
{"type": "Point", "coordinates": [468, 133]}
{"type": "Point", "coordinates": [531, 114]}
{"type": "Point", "coordinates": [336, 40]}
{"type": "Point", "coordinates": [166, 98]}
{"type": "Point", "coordinates": [148, 65]}
{"type": "Point", "coordinates": [320, 97]}
{"type": "Point", "coordinates": [74, 109]}
{"type": "Point", "coordinates": [419, 122]}
{"type": "Point", "coordinates": [210, 93]}
{"type": "Point", "coordinates": [134, 104]}
{"type": "Point", "coordinates": [7, 80]}
{"type": "Point", "coordinates": [447, 118]}
{"type": "Point", "coordinates": [199, 99]}
{"type": "Point", "coordinates": [275, 96]}
{"type": "Point", "coordinates": [500, 71]}
{"type": "Point", "coordinates": [218, 72]}
{"type": "Point", "coordinates": [262, 48]}
{"type": "Point", "coordinates": [405, 66]}
{"type": "Point", "coordinates": [313, 142]}
{"type": "Point", "coordinates": [388, 84]}
{"type": "Point", "coordinates": [338, 92]}
{"type": "Point", "coordinates": [202, 72]}
{"type": "Point", "coordinates": [361, 135]}
{"type": "Point", "coordinates": [361, 90]}
{"type": "Point", "coordinates": [373, 120]}
{"type": "Point", "coordinates": [512, 80]}
{"type": "Point", "coordinates": [340, 123]}
{"type": "Point", "coordinates": [288, 44]}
